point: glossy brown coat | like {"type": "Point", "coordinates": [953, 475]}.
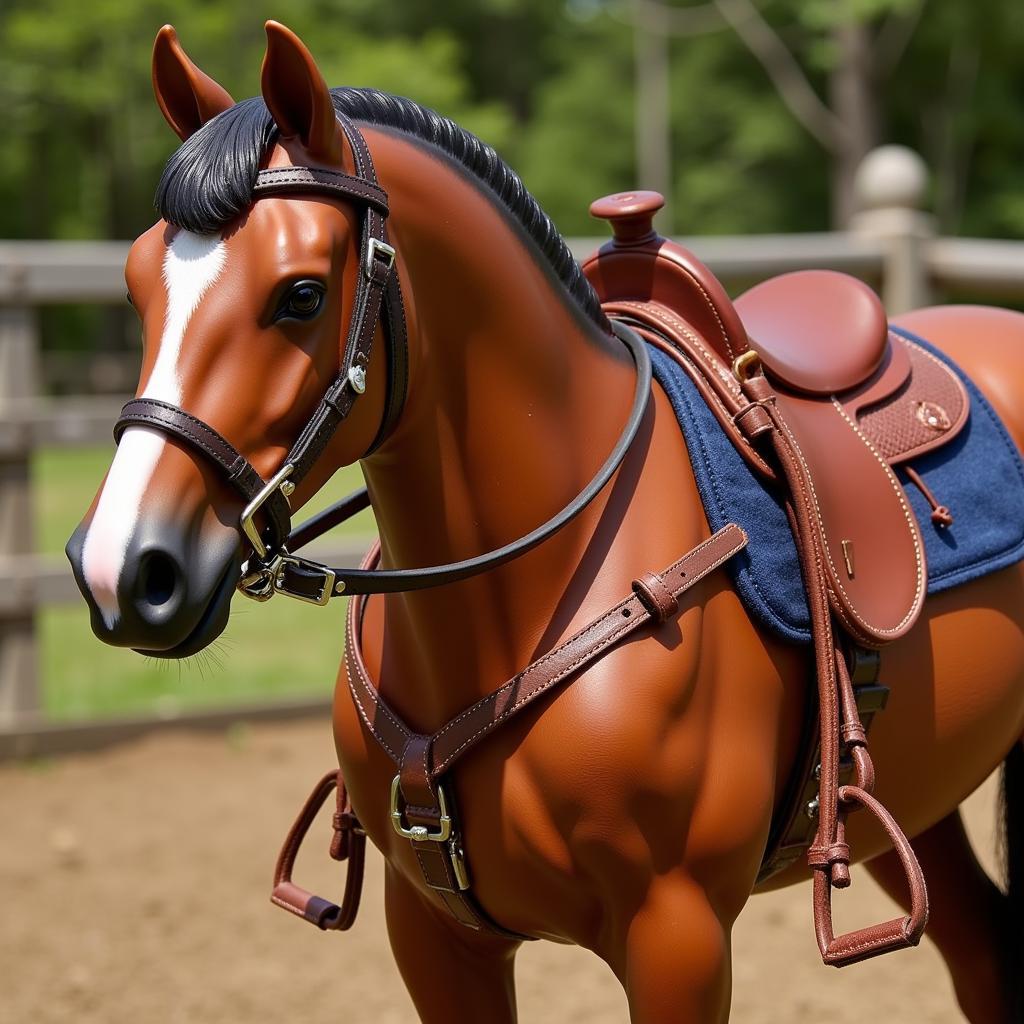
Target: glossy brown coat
{"type": "Point", "coordinates": [628, 813]}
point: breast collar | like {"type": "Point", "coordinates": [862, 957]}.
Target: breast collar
{"type": "Point", "coordinates": [273, 567]}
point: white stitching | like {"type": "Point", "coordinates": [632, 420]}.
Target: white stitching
{"type": "Point", "coordinates": [353, 654]}
{"type": "Point", "coordinates": [668, 318]}
{"type": "Point", "coordinates": [894, 483]}
{"type": "Point", "coordinates": [714, 309]}
{"type": "Point", "coordinates": [915, 537]}
{"type": "Point", "coordinates": [590, 653]}
{"type": "Point", "coordinates": [680, 355]}
{"type": "Point", "coordinates": [576, 636]}
{"type": "Point", "coordinates": [288, 906]}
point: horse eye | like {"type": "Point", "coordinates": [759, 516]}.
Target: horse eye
{"type": "Point", "coordinates": [302, 302]}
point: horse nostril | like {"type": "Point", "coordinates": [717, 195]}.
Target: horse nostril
{"type": "Point", "coordinates": [159, 578]}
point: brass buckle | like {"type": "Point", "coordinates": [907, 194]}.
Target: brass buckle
{"type": "Point", "coordinates": [746, 365]}
{"type": "Point", "coordinates": [385, 250]}
{"type": "Point", "coordinates": [248, 520]}
{"type": "Point", "coordinates": [444, 833]}
{"type": "Point", "coordinates": [420, 833]}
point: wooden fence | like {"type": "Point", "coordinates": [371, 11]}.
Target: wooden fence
{"type": "Point", "coordinates": [892, 244]}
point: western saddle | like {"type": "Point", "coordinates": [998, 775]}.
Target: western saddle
{"type": "Point", "coordinates": [855, 398]}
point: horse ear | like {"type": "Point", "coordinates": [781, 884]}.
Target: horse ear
{"type": "Point", "coordinates": [297, 95]}
{"type": "Point", "coordinates": [188, 97]}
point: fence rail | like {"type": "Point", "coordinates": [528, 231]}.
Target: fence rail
{"type": "Point", "coordinates": [891, 244]}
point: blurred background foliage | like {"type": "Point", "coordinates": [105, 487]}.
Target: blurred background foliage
{"type": "Point", "coordinates": [761, 111]}
{"type": "Point", "coordinates": [551, 84]}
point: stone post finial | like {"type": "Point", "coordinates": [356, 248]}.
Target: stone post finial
{"type": "Point", "coordinates": [891, 176]}
{"type": "Point", "coordinates": [890, 188]}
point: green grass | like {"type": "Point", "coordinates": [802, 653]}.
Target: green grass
{"type": "Point", "coordinates": [279, 648]}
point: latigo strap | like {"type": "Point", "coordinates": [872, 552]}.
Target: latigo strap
{"type": "Point", "coordinates": [839, 722]}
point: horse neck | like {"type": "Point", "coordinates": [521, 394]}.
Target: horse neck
{"type": "Point", "coordinates": [515, 400]}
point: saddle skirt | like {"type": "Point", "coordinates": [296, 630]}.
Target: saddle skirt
{"type": "Point", "coordinates": [865, 405]}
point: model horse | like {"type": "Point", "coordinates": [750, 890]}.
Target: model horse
{"type": "Point", "coordinates": [628, 811]}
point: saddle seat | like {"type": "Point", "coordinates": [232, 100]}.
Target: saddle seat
{"type": "Point", "coordinates": [856, 398]}
{"type": "Point", "coordinates": [816, 331]}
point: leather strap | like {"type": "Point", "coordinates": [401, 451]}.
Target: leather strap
{"type": "Point", "coordinates": [309, 580]}
{"type": "Point", "coordinates": [421, 806]}
{"type": "Point", "coordinates": [422, 761]}
{"type": "Point", "coordinates": [240, 473]}
{"type": "Point", "coordinates": [297, 180]}
{"type": "Point", "coordinates": [349, 843]}
{"type": "Point", "coordinates": [378, 290]}
{"type": "Point", "coordinates": [839, 723]}
{"type": "Point", "coordinates": [334, 515]}
{"type": "Point", "coordinates": [377, 262]}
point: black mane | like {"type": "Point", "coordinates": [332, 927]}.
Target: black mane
{"type": "Point", "coordinates": [208, 181]}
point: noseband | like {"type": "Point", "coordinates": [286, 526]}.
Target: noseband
{"type": "Point", "coordinates": [272, 567]}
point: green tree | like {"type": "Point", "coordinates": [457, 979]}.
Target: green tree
{"type": "Point", "coordinates": [85, 141]}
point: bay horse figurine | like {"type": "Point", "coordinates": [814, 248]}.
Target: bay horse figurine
{"type": "Point", "coordinates": [619, 792]}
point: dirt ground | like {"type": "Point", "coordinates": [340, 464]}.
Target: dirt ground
{"type": "Point", "coordinates": [135, 887]}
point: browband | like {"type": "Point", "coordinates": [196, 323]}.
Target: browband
{"type": "Point", "coordinates": [292, 180]}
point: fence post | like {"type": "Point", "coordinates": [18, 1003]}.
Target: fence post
{"type": "Point", "coordinates": [889, 189]}
{"type": "Point", "coordinates": [19, 380]}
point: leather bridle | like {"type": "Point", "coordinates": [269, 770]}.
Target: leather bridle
{"type": "Point", "coordinates": [272, 567]}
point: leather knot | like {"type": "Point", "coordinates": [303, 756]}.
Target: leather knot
{"type": "Point", "coordinates": [655, 596]}
{"type": "Point", "coordinates": [345, 821]}
{"type": "Point", "coordinates": [941, 516]}
{"type": "Point", "coordinates": [827, 856]}
{"type": "Point", "coordinates": [346, 830]}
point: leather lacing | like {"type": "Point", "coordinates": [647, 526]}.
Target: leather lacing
{"type": "Point", "coordinates": [941, 515]}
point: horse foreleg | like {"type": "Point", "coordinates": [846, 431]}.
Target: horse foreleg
{"type": "Point", "coordinates": [674, 961]}
{"type": "Point", "coordinates": [454, 975]}
{"type": "Point", "coordinates": [967, 916]}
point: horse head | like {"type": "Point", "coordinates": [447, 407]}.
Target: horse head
{"type": "Point", "coordinates": [245, 310]}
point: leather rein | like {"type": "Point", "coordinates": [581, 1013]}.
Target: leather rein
{"type": "Point", "coordinates": [272, 567]}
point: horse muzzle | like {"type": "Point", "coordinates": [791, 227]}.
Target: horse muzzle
{"type": "Point", "coordinates": [171, 595]}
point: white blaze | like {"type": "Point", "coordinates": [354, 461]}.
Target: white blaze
{"type": "Point", "coordinates": [191, 265]}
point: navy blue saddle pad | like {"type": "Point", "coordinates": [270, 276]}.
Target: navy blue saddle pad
{"type": "Point", "coordinates": [978, 476]}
